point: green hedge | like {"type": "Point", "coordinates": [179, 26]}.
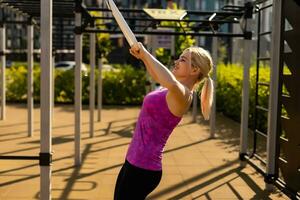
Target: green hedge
{"type": "Point", "coordinates": [125, 85]}
{"type": "Point", "coordinates": [229, 93]}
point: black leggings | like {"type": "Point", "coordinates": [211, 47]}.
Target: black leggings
{"type": "Point", "coordinates": [134, 183]}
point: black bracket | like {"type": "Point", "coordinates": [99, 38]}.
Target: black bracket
{"type": "Point", "coordinates": [269, 178]}
{"type": "Point", "coordinates": [2, 53]}
{"type": "Point", "coordinates": [45, 159]}
{"type": "Point", "coordinates": [78, 30]}
{"type": "Point", "coordinates": [78, 6]}
{"type": "Point", "coordinates": [248, 10]}
{"type": "Point", "coordinates": [248, 35]}
{"type": "Point", "coordinates": [242, 156]}
{"type": "Point", "coordinates": [30, 21]}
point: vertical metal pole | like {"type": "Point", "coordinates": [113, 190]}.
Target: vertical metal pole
{"type": "Point", "coordinates": [78, 60]}
{"type": "Point", "coordinates": [212, 121]}
{"type": "Point", "coordinates": [182, 4]}
{"type": "Point", "coordinates": [92, 81]}
{"type": "Point", "coordinates": [197, 41]}
{"type": "Point", "coordinates": [3, 65]}
{"type": "Point", "coordinates": [46, 94]}
{"type": "Point", "coordinates": [245, 100]}
{"type": "Point", "coordinates": [30, 107]}
{"type": "Point", "coordinates": [53, 85]}
{"type": "Point", "coordinates": [276, 47]}
{"type": "Point", "coordinates": [173, 46]}
{"type": "Point", "coordinates": [99, 99]}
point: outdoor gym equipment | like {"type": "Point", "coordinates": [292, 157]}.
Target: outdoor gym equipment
{"type": "Point", "coordinates": [122, 23]}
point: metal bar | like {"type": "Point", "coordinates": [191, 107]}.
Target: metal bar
{"type": "Point", "coordinates": [245, 95]}
{"type": "Point", "coordinates": [265, 33]}
{"type": "Point", "coordinates": [172, 20]}
{"type": "Point", "coordinates": [46, 94]}
{"type": "Point", "coordinates": [14, 22]}
{"type": "Point", "coordinates": [287, 190]}
{"type": "Point", "coordinates": [260, 158]}
{"type": "Point", "coordinates": [191, 12]}
{"type": "Point", "coordinates": [283, 139]}
{"type": "Point", "coordinates": [262, 108]}
{"type": "Point", "coordinates": [232, 8]}
{"type": "Point", "coordinates": [261, 133]}
{"type": "Point", "coordinates": [99, 100]}
{"type": "Point", "coordinates": [282, 160]}
{"type": "Point", "coordinates": [265, 7]}
{"type": "Point", "coordinates": [30, 108]}
{"type": "Point", "coordinates": [263, 58]}
{"type": "Point", "coordinates": [263, 84]}
{"type": "Point", "coordinates": [218, 34]}
{"type": "Point", "coordinates": [259, 2]}
{"type": "Point", "coordinates": [255, 166]}
{"type": "Point", "coordinates": [148, 26]}
{"type": "Point", "coordinates": [92, 81]}
{"type": "Point", "coordinates": [19, 157]}
{"type": "Point", "coordinates": [2, 80]}
{"type": "Point", "coordinates": [212, 122]}
{"type": "Point", "coordinates": [276, 62]}
{"type": "Point", "coordinates": [78, 90]}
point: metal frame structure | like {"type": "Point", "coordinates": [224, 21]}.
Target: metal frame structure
{"type": "Point", "coordinates": [51, 9]}
{"type": "Point", "coordinates": [84, 24]}
{"type": "Point", "coordinates": [197, 23]}
{"type": "Point", "coordinates": [275, 122]}
{"type": "Point", "coordinates": [202, 24]}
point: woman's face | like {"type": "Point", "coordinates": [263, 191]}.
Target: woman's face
{"type": "Point", "coordinates": [182, 66]}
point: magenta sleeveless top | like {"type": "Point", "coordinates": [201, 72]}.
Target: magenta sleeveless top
{"type": "Point", "coordinates": [154, 126]}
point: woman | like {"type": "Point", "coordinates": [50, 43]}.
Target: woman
{"type": "Point", "coordinates": [162, 110]}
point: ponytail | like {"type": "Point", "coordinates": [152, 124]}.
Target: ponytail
{"type": "Point", "coordinates": [207, 97]}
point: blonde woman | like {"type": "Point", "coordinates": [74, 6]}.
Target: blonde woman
{"type": "Point", "coordinates": [161, 111]}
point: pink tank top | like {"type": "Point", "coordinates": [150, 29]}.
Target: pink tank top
{"type": "Point", "coordinates": [154, 126]}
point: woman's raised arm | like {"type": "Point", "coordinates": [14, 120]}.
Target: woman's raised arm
{"type": "Point", "coordinates": [159, 72]}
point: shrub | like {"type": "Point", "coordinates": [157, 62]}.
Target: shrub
{"type": "Point", "coordinates": [122, 85]}
{"type": "Point", "coordinates": [125, 85]}
{"type": "Point", "coordinates": [229, 93]}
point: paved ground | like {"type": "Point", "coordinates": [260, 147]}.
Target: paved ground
{"type": "Point", "coordinates": [195, 167]}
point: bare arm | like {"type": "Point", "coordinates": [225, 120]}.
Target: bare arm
{"type": "Point", "coordinates": [161, 74]}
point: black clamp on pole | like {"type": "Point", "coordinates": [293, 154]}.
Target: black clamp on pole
{"type": "Point", "coordinates": [45, 159]}
{"type": "Point", "coordinates": [248, 15]}
{"type": "Point", "coordinates": [248, 10]}
{"type": "Point", "coordinates": [53, 51]}
{"type": "Point", "coordinates": [78, 6]}
{"type": "Point", "coordinates": [2, 53]}
{"type": "Point", "coordinates": [269, 178]}
{"type": "Point", "coordinates": [242, 157]}
{"type": "Point", "coordinates": [30, 21]}
{"type": "Point", "coordinates": [78, 30]}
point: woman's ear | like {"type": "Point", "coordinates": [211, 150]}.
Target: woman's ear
{"type": "Point", "coordinates": [196, 70]}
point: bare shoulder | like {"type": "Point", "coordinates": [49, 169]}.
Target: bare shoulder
{"type": "Point", "coordinates": [179, 100]}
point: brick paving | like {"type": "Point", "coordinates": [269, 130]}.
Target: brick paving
{"type": "Point", "coordinates": [194, 166]}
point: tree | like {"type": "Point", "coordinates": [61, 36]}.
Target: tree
{"type": "Point", "coordinates": [181, 42]}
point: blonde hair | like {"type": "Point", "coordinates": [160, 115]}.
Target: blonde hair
{"type": "Point", "coordinates": [201, 58]}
